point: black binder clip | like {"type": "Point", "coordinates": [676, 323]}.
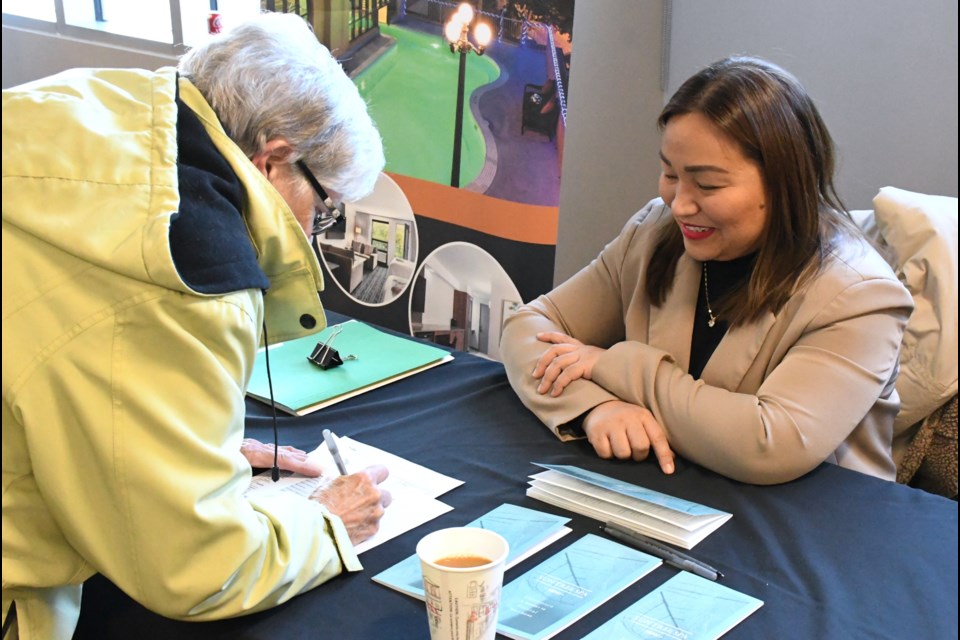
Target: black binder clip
{"type": "Point", "coordinates": [324, 355]}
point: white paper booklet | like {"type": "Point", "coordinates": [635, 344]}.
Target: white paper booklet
{"type": "Point", "coordinates": [654, 514]}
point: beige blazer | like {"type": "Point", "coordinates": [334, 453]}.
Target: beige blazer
{"type": "Point", "coordinates": [779, 396]}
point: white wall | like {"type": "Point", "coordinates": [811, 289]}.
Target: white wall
{"type": "Point", "coordinates": [438, 299]}
{"type": "Point", "coordinates": [498, 289]}
{"type": "Point", "coordinates": [29, 55]}
{"type": "Point", "coordinates": [883, 73]}
{"type": "Point", "coordinates": [610, 164]}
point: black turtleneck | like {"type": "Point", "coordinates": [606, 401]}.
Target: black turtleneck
{"type": "Point", "coordinates": [722, 278]}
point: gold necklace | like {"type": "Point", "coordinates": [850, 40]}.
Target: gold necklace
{"type": "Point", "coordinates": [706, 294]}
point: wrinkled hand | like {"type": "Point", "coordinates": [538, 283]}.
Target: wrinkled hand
{"type": "Point", "coordinates": [618, 429]}
{"type": "Point", "coordinates": [357, 500]}
{"type": "Point", "coordinates": [260, 455]}
{"type": "Point", "coordinates": [567, 360]}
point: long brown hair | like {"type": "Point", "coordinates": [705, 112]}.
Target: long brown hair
{"type": "Point", "coordinates": [768, 114]}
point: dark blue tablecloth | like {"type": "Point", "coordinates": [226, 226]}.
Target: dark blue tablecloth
{"type": "Point", "coordinates": [836, 554]}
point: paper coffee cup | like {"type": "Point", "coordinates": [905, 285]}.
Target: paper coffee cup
{"type": "Point", "coordinates": [462, 577]}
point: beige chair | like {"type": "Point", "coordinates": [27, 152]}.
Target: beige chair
{"type": "Point", "coordinates": [917, 233]}
{"type": "Point", "coordinates": [367, 252]}
{"type": "Point", "coordinates": [345, 266]}
{"type": "Point", "coordinates": [398, 276]}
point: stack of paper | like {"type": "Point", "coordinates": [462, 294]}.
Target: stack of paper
{"type": "Point", "coordinates": [657, 515]}
{"type": "Point", "coordinates": [414, 488]}
{"type": "Point", "coordinates": [526, 531]}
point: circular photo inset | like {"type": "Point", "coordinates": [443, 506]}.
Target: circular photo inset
{"type": "Point", "coordinates": [371, 250]}
{"type": "Point", "coordinates": [461, 296]}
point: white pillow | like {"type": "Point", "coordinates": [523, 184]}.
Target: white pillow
{"type": "Point", "coordinates": [868, 224]}
{"type": "Point", "coordinates": [921, 234]}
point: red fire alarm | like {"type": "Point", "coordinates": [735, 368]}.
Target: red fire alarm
{"type": "Point", "coordinates": [214, 25]}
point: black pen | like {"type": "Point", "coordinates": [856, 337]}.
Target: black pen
{"type": "Point", "coordinates": [667, 554]}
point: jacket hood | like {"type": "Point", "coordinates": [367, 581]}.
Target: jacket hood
{"type": "Point", "coordinates": [96, 117]}
{"type": "Point", "coordinates": [108, 199]}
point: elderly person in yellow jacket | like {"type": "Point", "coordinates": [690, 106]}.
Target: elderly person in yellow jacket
{"type": "Point", "coordinates": [739, 320]}
{"type": "Point", "coordinates": [155, 230]}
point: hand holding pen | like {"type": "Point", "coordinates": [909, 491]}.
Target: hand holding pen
{"type": "Point", "coordinates": [355, 498]}
{"type": "Point", "coordinates": [334, 448]}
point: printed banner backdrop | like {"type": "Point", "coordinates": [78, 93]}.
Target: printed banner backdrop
{"type": "Point", "coordinates": [420, 256]}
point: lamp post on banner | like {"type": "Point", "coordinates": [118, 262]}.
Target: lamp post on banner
{"type": "Point", "coordinates": [457, 32]}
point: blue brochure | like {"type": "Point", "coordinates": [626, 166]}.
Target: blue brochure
{"type": "Point", "coordinates": [526, 531]}
{"type": "Point", "coordinates": [685, 607]}
{"type": "Point", "coordinates": [568, 585]}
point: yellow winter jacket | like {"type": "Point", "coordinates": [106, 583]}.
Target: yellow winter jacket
{"type": "Point", "coordinates": [123, 389]}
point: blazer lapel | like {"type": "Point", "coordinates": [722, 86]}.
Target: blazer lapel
{"type": "Point", "coordinates": [736, 352]}
{"type": "Point", "coordinates": [671, 324]}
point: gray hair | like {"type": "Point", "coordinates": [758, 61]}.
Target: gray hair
{"type": "Point", "coordinates": [270, 78]}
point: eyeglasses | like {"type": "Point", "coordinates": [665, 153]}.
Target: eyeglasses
{"type": "Point", "coordinates": [325, 215]}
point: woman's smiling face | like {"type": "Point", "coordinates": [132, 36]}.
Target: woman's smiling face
{"type": "Point", "coordinates": [715, 192]}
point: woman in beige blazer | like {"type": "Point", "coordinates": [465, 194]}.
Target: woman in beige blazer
{"type": "Point", "coordinates": [739, 320]}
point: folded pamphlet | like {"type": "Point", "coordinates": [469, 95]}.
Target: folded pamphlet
{"type": "Point", "coordinates": [567, 586]}
{"type": "Point", "coordinates": [651, 513]}
{"type": "Point", "coordinates": [685, 607]}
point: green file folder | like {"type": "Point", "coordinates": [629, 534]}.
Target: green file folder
{"type": "Point", "coordinates": [371, 358]}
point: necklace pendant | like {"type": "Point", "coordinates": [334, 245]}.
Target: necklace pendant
{"type": "Point", "coordinates": [711, 322]}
